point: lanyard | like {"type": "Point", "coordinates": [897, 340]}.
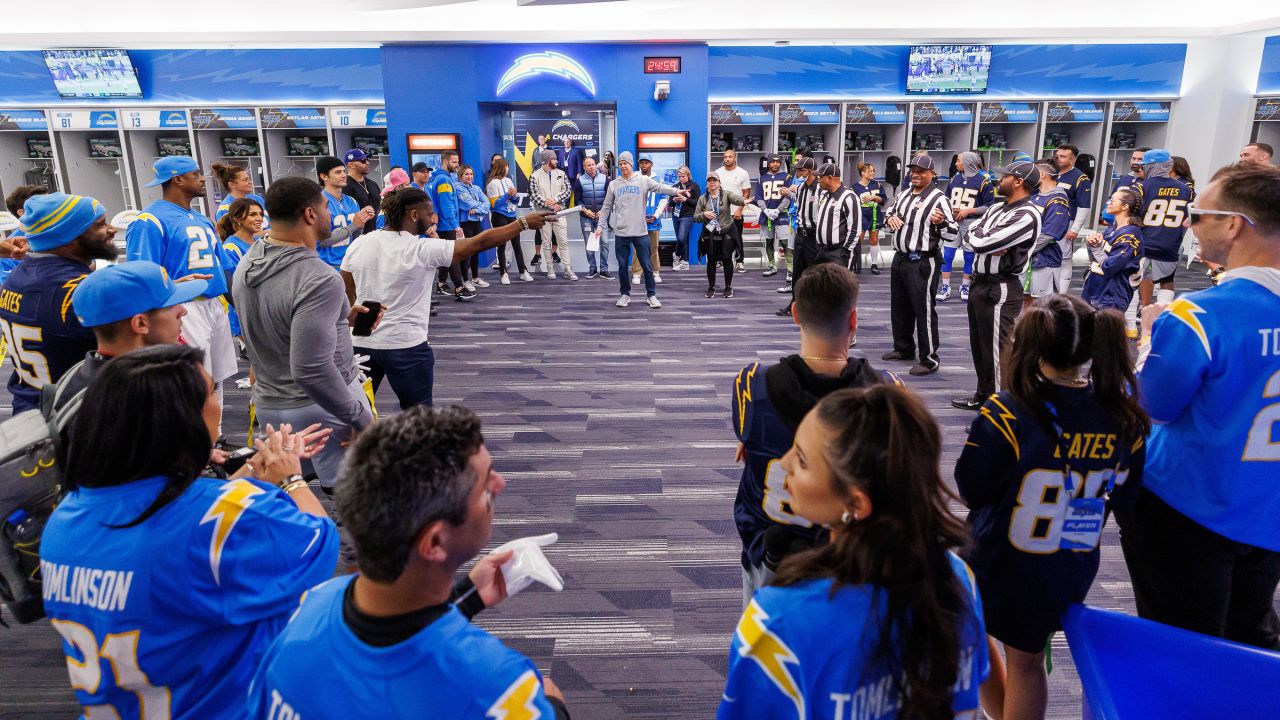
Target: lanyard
{"type": "Point", "coordinates": [1066, 462]}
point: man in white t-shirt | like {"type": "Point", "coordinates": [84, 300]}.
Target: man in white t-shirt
{"type": "Point", "coordinates": [396, 267]}
{"type": "Point", "coordinates": [734, 178]}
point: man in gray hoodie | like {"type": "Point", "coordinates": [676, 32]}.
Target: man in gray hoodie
{"type": "Point", "coordinates": [971, 192]}
{"type": "Point", "coordinates": [296, 323]}
{"type": "Point", "coordinates": [626, 196]}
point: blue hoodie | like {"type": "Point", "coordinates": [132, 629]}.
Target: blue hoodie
{"type": "Point", "coordinates": [442, 189]}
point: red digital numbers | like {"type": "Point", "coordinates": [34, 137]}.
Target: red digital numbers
{"type": "Point", "coordinates": [661, 65]}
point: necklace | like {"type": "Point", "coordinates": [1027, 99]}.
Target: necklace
{"type": "Point", "coordinates": [823, 359]}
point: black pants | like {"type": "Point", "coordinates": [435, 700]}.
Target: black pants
{"type": "Point", "coordinates": [737, 228]}
{"type": "Point", "coordinates": [500, 220]}
{"type": "Point", "coordinates": [819, 254]}
{"type": "Point", "coordinates": [914, 317]}
{"type": "Point", "coordinates": [711, 273]}
{"type": "Point", "coordinates": [994, 303]}
{"type": "Point", "coordinates": [1190, 577]}
{"type": "Point", "coordinates": [803, 252]}
{"type": "Point", "coordinates": [471, 266]}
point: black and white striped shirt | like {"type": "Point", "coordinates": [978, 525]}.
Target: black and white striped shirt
{"type": "Point", "coordinates": [919, 234]}
{"type": "Point", "coordinates": [1012, 227]}
{"type": "Point", "coordinates": [839, 218]}
{"type": "Point", "coordinates": [807, 201]}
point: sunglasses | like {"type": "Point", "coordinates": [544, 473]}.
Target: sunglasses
{"type": "Point", "coordinates": [1197, 214]}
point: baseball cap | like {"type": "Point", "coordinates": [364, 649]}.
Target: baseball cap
{"type": "Point", "coordinates": [355, 155]}
{"type": "Point", "coordinates": [394, 178]}
{"type": "Point", "coordinates": [121, 291]}
{"type": "Point", "coordinates": [829, 170]}
{"type": "Point", "coordinates": [806, 163]}
{"type": "Point", "coordinates": [420, 167]}
{"type": "Point", "coordinates": [1024, 171]}
{"type": "Point", "coordinates": [774, 157]}
{"type": "Point", "coordinates": [168, 168]}
{"type": "Point", "coordinates": [646, 157]}
{"type": "Point", "coordinates": [924, 162]}
{"type": "Point", "coordinates": [56, 219]}
{"type": "Point", "coordinates": [1156, 155]}
{"type": "Point", "coordinates": [1022, 156]}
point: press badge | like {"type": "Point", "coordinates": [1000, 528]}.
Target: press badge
{"type": "Point", "coordinates": [1082, 527]}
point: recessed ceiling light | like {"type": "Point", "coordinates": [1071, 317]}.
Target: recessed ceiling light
{"type": "Point", "coordinates": [781, 43]}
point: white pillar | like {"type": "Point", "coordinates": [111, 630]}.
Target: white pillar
{"type": "Point", "coordinates": [1212, 119]}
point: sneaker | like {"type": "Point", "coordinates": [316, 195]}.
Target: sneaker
{"type": "Point", "coordinates": [551, 275]}
{"type": "Point", "coordinates": [786, 288]}
{"type": "Point", "coordinates": [944, 292]}
{"type": "Point", "coordinates": [728, 292]}
{"type": "Point", "coordinates": [788, 277]}
{"type": "Point", "coordinates": [654, 302]}
{"type": "Point", "coordinates": [922, 369]}
{"type": "Point", "coordinates": [504, 279]}
{"type": "Point", "coordinates": [526, 277]}
{"type": "Point", "coordinates": [623, 301]}
{"type": "Point", "coordinates": [569, 273]}
{"type": "Point", "coordinates": [657, 277]}
{"type": "Point", "coordinates": [710, 293]}
{"type": "Point", "coordinates": [434, 312]}
{"type": "Point", "coordinates": [895, 355]}
{"type": "Point", "coordinates": [783, 312]}
{"type": "Point", "coordinates": [537, 258]}
{"type": "Point", "coordinates": [464, 295]}
{"type": "Point", "coordinates": [635, 278]}
{"type": "Point", "coordinates": [853, 341]}
{"type": "Point", "coordinates": [443, 290]}
{"type": "Point", "coordinates": [480, 282]}
{"type": "Point", "coordinates": [682, 265]}
{"type": "Point", "coordinates": [496, 265]}
{"type": "Point", "coordinates": [605, 275]}
{"type": "Point", "coordinates": [592, 274]}
{"type": "Point", "coordinates": [469, 285]}
{"type": "Point", "coordinates": [875, 269]}
{"type": "Point", "coordinates": [555, 257]}
{"type": "Point", "coordinates": [770, 271]}
{"type": "Point", "coordinates": [967, 402]}
{"type": "Point", "coordinates": [964, 292]}
{"type": "Point", "coordinates": [742, 267]}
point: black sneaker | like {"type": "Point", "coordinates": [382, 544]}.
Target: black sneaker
{"type": "Point", "coordinates": [537, 259]}
{"type": "Point", "coordinates": [555, 257]}
{"type": "Point", "coordinates": [922, 369]}
{"type": "Point", "coordinates": [711, 292]}
{"type": "Point", "coordinates": [853, 341]}
{"type": "Point", "coordinates": [783, 312]}
{"type": "Point", "coordinates": [785, 288]}
{"type": "Point", "coordinates": [464, 295]}
{"type": "Point", "coordinates": [728, 292]}
{"type": "Point", "coordinates": [875, 269]}
{"type": "Point", "coordinates": [443, 290]}
{"type": "Point", "coordinates": [592, 274]}
{"type": "Point", "coordinates": [895, 355]}
{"type": "Point", "coordinates": [605, 274]}
{"type": "Point", "coordinates": [967, 402]}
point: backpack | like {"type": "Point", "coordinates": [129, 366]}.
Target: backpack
{"type": "Point", "coordinates": [893, 171]}
{"type": "Point", "coordinates": [31, 452]}
{"type": "Point", "coordinates": [1087, 165]}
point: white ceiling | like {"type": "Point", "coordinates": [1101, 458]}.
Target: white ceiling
{"type": "Point", "coordinates": [312, 23]}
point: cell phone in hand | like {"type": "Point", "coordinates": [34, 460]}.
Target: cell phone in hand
{"type": "Point", "coordinates": [364, 321]}
{"type": "Point", "coordinates": [237, 459]}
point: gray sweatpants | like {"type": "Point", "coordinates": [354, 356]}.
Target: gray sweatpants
{"type": "Point", "coordinates": [325, 464]}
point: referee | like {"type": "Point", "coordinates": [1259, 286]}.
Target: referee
{"type": "Point", "coordinates": [806, 247]}
{"type": "Point", "coordinates": [917, 218]}
{"type": "Point", "coordinates": [838, 220]}
{"type": "Point", "coordinates": [1002, 241]}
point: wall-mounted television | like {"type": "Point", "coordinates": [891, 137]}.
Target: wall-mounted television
{"type": "Point", "coordinates": [105, 147]}
{"type": "Point", "coordinates": [941, 69]}
{"type": "Point", "coordinates": [93, 73]}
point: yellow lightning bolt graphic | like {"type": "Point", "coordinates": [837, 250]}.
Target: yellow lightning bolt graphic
{"type": "Point", "coordinates": [1002, 421]}
{"type": "Point", "coordinates": [742, 391]}
{"type": "Point", "coordinates": [517, 702]}
{"type": "Point", "coordinates": [236, 497]}
{"type": "Point", "coordinates": [70, 287]}
{"type": "Point", "coordinates": [770, 653]}
{"type": "Point", "coordinates": [524, 158]}
{"type": "Point", "coordinates": [1186, 311]}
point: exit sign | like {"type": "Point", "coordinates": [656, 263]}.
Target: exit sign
{"type": "Point", "coordinates": [661, 65]}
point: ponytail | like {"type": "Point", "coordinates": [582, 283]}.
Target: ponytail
{"type": "Point", "coordinates": [226, 174]}
{"type": "Point", "coordinates": [1114, 382]}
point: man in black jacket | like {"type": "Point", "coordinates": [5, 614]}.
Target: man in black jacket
{"type": "Point", "coordinates": [362, 187]}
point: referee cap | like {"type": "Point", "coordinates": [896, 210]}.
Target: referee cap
{"type": "Point", "coordinates": [1024, 171]}
{"type": "Point", "coordinates": [829, 170]}
{"type": "Point", "coordinates": [922, 161]}
{"type": "Point", "coordinates": [806, 163]}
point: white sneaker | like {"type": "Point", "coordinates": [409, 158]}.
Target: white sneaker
{"type": "Point", "coordinates": [506, 280]}
{"type": "Point", "coordinates": [657, 277]}
{"type": "Point", "coordinates": [654, 302]}
{"type": "Point", "coordinates": [742, 267]}
{"type": "Point", "coordinates": [684, 264]}
{"type": "Point", "coordinates": [623, 301]}
{"type": "Point", "coordinates": [480, 282]}
{"type": "Point", "coordinates": [525, 276]}
{"type": "Point", "coordinates": [635, 279]}
{"type": "Point", "coordinates": [469, 285]}
{"type": "Point", "coordinates": [551, 275]}
{"type": "Point", "coordinates": [569, 273]}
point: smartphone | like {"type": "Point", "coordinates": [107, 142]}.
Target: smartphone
{"type": "Point", "coordinates": [364, 321]}
{"type": "Point", "coordinates": [237, 459]}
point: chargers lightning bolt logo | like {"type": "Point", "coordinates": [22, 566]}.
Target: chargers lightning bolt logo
{"type": "Point", "coordinates": [770, 653]}
{"type": "Point", "coordinates": [547, 62]}
{"type": "Point", "coordinates": [1186, 311]}
{"type": "Point", "coordinates": [517, 703]}
{"type": "Point", "coordinates": [225, 512]}
{"type": "Point", "coordinates": [1003, 421]}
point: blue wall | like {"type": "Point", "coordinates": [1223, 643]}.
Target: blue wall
{"type": "Point", "coordinates": [1269, 73]}
{"type": "Point", "coordinates": [453, 88]}
{"type": "Point", "coordinates": [338, 75]}
{"type": "Point", "coordinates": [876, 72]}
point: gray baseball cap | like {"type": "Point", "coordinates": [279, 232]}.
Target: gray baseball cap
{"type": "Point", "coordinates": [1025, 171]}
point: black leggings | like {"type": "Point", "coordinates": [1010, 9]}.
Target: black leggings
{"type": "Point", "coordinates": [711, 273]}
{"type": "Point", "coordinates": [500, 220]}
{"type": "Point", "coordinates": [471, 266]}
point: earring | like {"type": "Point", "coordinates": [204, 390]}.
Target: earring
{"type": "Point", "coordinates": [848, 518]}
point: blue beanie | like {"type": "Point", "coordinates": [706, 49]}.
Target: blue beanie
{"type": "Point", "coordinates": [56, 219]}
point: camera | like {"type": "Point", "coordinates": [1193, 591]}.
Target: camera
{"type": "Point", "coordinates": [661, 90]}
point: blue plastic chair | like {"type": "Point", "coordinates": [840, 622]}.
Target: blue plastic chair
{"type": "Point", "coordinates": [1133, 668]}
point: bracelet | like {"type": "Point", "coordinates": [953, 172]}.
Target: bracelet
{"type": "Point", "coordinates": [524, 224]}
{"type": "Point", "coordinates": [295, 485]}
{"type": "Point", "coordinates": [291, 482]}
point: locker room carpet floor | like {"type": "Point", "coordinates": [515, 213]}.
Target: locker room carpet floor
{"type": "Point", "coordinates": [612, 429]}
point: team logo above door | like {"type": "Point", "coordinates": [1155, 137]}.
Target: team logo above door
{"type": "Point", "coordinates": [547, 62]}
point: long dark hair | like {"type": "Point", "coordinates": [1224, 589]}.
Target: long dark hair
{"type": "Point", "coordinates": [497, 170]}
{"type": "Point", "coordinates": [1065, 332]}
{"type": "Point", "coordinates": [1182, 169]}
{"type": "Point", "coordinates": [236, 214]}
{"type": "Point", "coordinates": [888, 446]}
{"type": "Point", "coordinates": [1132, 206]}
{"type": "Point", "coordinates": [141, 418]}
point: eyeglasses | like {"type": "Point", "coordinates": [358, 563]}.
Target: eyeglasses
{"type": "Point", "coordinates": [1197, 214]}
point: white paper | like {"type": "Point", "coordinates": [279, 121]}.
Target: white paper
{"type": "Point", "coordinates": [593, 242]}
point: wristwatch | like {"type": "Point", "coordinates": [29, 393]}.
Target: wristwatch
{"type": "Point", "coordinates": [293, 482]}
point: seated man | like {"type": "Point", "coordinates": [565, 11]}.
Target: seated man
{"type": "Point", "coordinates": [416, 493]}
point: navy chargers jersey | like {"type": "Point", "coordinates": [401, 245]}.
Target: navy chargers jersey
{"type": "Point", "coordinates": [969, 193]}
{"type": "Point", "coordinates": [1079, 189]}
{"type": "Point", "coordinates": [1055, 221]}
{"type": "Point", "coordinates": [804, 652]}
{"type": "Point", "coordinates": [1164, 210]}
{"type": "Point", "coordinates": [44, 337]}
{"type": "Point", "coordinates": [1110, 283]}
{"type": "Point", "coordinates": [771, 185]}
{"type": "Point", "coordinates": [765, 424]}
{"type": "Point", "coordinates": [171, 617]}
{"type": "Point", "coordinates": [449, 669]}
{"type": "Point", "coordinates": [1212, 386]}
{"type": "Point", "coordinates": [180, 240]}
